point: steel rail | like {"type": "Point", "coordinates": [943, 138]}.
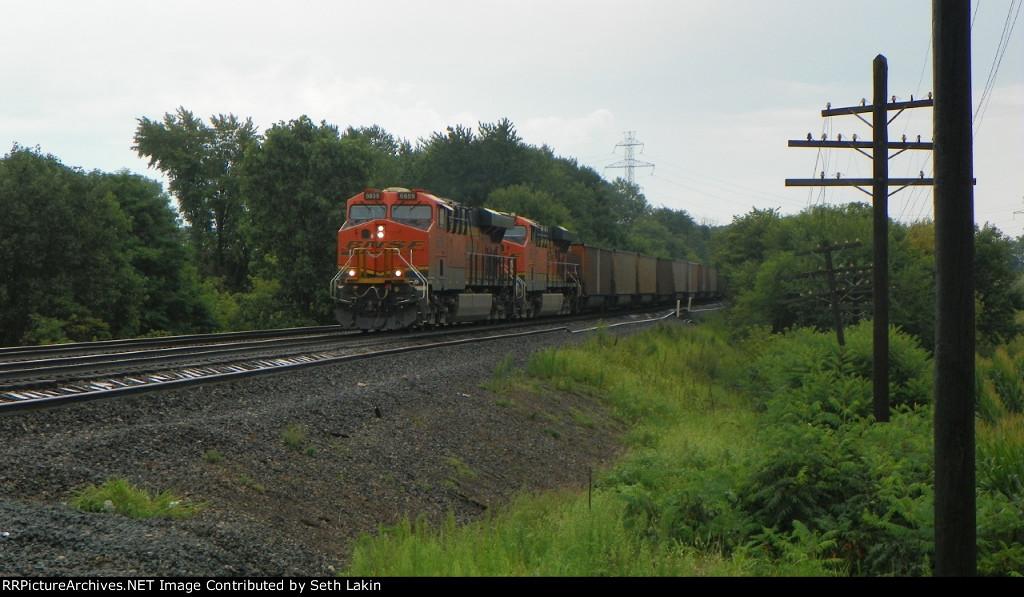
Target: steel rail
{"type": "Point", "coordinates": [72, 348]}
{"type": "Point", "coordinates": [37, 399]}
{"type": "Point", "coordinates": [32, 399]}
{"type": "Point", "coordinates": [13, 370]}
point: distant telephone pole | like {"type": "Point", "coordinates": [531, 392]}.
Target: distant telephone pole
{"type": "Point", "coordinates": [629, 142]}
{"type": "Point", "coordinates": [835, 298]}
{"type": "Point", "coordinates": [879, 183]}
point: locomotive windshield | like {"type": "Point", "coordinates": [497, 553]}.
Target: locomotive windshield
{"type": "Point", "coordinates": [412, 215]}
{"type": "Point", "coordinates": [516, 234]}
{"type": "Point", "coordinates": [359, 214]}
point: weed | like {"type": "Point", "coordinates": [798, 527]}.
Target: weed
{"type": "Point", "coordinates": [581, 418]}
{"type": "Point", "coordinates": [294, 435]}
{"type": "Point", "coordinates": [121, 497]}
{"type": "Point", "coordinates": [460, 472]}
{"type": "Point", "coordinates": [251, 483]}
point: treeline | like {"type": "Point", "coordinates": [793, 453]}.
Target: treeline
{"type": "Point", "coordinates": [775, 269]}
{"type": "Point", "coordinates": [88, 256]}
{"type": "Point", "coordinates": [251, 243]}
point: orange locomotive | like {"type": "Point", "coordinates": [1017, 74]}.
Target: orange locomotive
{"type": "Point", "coordinates": [407, 258]}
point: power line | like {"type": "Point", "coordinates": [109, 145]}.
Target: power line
{"type": "Point", "coordinates": [1004, 41]}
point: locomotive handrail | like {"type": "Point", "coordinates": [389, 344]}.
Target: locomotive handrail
{"type": "Point", "coordinates": [520, 288]}
{"type": "Point", "coordinates": [416, 272]}
{"type": "Point", "coordinates": [352, 255]}
{"type": "Point", "coordinates": [335, 283]}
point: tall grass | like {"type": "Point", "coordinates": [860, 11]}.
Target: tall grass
{"type": "Point", "coordinates": [685, 433]}
{"type": "Point", "coordinates": [539, 535]}
{"type": "Point", "coordinates": [754, 457]}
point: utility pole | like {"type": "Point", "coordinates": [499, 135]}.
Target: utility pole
{"type": "Point", "coordinates": [879, 183]}
{"type": "Point", "coordinates": [629, 142]}
{"type": "Point", "coordinates": [956, 550]}
{"type": "Point", "coordinates": [834, 299]}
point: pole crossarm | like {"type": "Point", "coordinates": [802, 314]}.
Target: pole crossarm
{"type": "Point", "coordinates": [864, 109]}
{"type": "Point", "coordinates": [856, 182]}
{"type": "Point", "coordinates": [902, 145]}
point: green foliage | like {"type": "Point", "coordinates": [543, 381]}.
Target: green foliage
{"type": "Point", "coordinates": [119, 496]}
{"type": "Point", "coordinates": [831, 468]}
{"type": "Point", "coordinates": [107, 260]}
{"type": "Point", "coordinates": [63, 255]}
{"type": "Point", "coordinates": [296, 183]}
{"type": "Point", "coordinates": [262, 308]}
{"type": "Point", "coordinates": [390, 158]}
{"type": "Point", "coordinates": [539, 206]}
{"type": "Point", "coordinates": [999, 382]}
{"type": "Point", "coordinates": [669, 508]}
{"type": "Point", "coordinates": [824, 383]}
{"type": "Point", "coordinates": [503, 377]}
{"type": "Point", "coordinates": [172, 299]}
{"type": "Point", "coordinates": [995, 279]}
{"type": "Point", "coordinates": [460, 471]}
{"type": "Point", "coordinates": [1000, 501]}
{"type": "Point", "coordinates": [765, 259]}
{"type": "Point", "coordinates": [293, 436]}
{"type": "Point", "coordinates": [1000, 456]}
{"type": "Point", "coordinates": [201, 162]}
{"type": "Point", "coordinates": [804, 484]}
{"type": "Point", "coordinates": [44, 330]}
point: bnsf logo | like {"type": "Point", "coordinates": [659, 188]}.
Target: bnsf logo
{"type": "Point", "coordinates": [382, 244]}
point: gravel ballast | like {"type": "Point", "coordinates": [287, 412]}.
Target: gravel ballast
{"type": "Point", "coordinates": [378, 440]}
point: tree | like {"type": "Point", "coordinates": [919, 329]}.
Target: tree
{"type": "Point", "coordinates": [297, 183]}
{"type": "Point", "coordinates": [390, 158]}
{"type": "Point", "coordinates": [539, 206]}
{"type": "Point", "coordinates": [64, 270]}
{"type": "Point", "coordinates": [155, 247]}
{"type": "Point", "coordinates": [684, 238]}
{"type": "Point", "coordinates": [998, 299]}
{"type": "Point", "coordinates": [445, 165]}
{"type": "Point", "coordinates": [200, 162]}
{"type": "Point", "coordinates": [466, 166]}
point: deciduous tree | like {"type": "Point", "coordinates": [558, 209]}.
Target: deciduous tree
{"type": "Point", "coordinates": [201, 161]}
{"type": "Point", "coordinates": [297, 183]}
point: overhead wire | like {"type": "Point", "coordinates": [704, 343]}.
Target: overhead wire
{"type": "Point", "coordinates": [1004, 42]}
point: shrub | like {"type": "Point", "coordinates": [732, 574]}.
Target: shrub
{"type": "Point", "coordinates": [830, 467]}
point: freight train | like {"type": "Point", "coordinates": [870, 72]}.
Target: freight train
{"type": "Point", "coordinates": [407, 258]}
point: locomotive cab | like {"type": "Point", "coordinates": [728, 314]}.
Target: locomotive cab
{"type": "Point", "coordinates": [381, 275]}
{"type": "Point", "coordinates": [407, 258]}
{"type": "Point", "coordinates": [545, 277]}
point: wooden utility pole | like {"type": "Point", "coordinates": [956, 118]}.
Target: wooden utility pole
{"type": "Point", "coordinates": [835, 301]}
{"type": "Point", "coordinates": [956, 551]}
{"type": "Point", "coordinates": [879, 183]}
{"type": "Point", "coordinates": [880, 231]}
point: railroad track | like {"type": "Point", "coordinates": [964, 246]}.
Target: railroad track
{"type": "Point", "coordinates": [88, 371]}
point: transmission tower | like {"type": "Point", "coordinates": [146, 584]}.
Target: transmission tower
{"type": "Point", "coordinates": [630, 163]}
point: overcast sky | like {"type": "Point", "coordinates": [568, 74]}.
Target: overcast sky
{"type": "Point", "coordinates": [713, 89]}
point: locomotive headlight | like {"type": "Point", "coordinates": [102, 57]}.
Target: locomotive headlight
{"type": "Point", "coordinates": [380, 231]}
{"type": "Point", "coordinates": [398, 273]}
{"type": "Point", "coordinates": [352, 273]}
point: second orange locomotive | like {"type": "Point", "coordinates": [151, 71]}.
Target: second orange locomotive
{"type": "Point", "coordinates": [407, 258]}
